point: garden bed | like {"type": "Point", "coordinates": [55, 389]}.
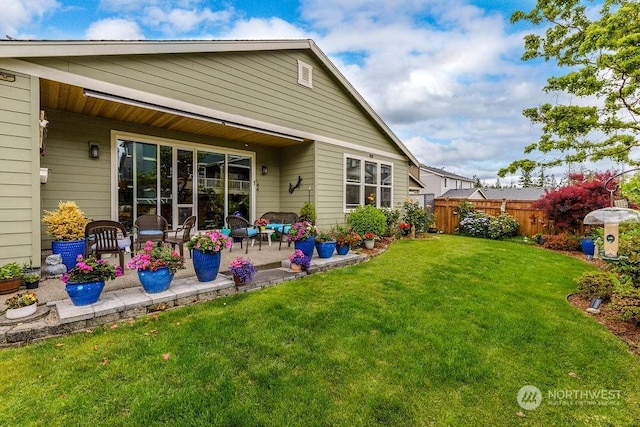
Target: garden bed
{"type": "Point", "coordinates": [610, 319]}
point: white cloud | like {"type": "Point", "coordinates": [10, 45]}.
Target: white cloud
{"type": "Point", "coordinates": [181, 21]}
{"type": "Point", "coordinates": [17, 14]}
{"type": "Point", "coordinates": [273, 28]}
{"type": "Point", "coordinates": [114, 29]}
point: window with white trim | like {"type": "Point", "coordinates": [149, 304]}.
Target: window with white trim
{"type": "Point", "coordinates": [367, 182]}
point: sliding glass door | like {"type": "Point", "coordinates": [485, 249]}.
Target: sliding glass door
{"type": "Point", "coordinates": [159, 179]}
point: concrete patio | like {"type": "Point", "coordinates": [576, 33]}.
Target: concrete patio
{"type": "Point", "coordinates": [124, 297]}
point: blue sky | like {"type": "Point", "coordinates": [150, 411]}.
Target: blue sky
{"type": "Point", "coordinates": [445, 75]}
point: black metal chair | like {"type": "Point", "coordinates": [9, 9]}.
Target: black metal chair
{"type": "Point", "coordinates": [242, 229]}
{"type": "Point", "coordinates": [180, 235]}
{"type": "Point", "coordinates": [106, 237]}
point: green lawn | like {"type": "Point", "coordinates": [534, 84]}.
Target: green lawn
{"type": "Point", "coordinates": [442, 331]}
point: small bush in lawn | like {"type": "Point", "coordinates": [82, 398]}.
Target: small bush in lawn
{"type": "Point", "coordinates": [562, 242]}
{"type": "Point", "coordinates": [627, 302]}
{"type": "Point", "coordinates": [594, 284]}
{"type": "Point", "coordinates": [367, 219]}
{"type": "Point", "coordinates": [421, 219]}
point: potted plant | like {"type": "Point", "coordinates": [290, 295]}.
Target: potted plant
{"type": "Point", "coordinates": [345, 238]}
{"type": "Point", "coordinates": [156, 265]}
{"type": "Point", "coordinates": [206, 256]}
{"type": "Point", "coordinates": [32, 280]}
{"type": "Point", "coordinates": [243, 270]}
{"type": "Point", "coordinates": [85, 281]}
{"type": "Point", "coordinates": [369, 240]}
{"type": "Point", "coordinates": [10, 278]}
{"type": "Point", "coordinates": [405, 228]}
{"type": "Point", "coordinates": [325, 244]}
{"type": "Point", "coordinates": [21, 305]}
{"type": "Point", "coordinates": [261, 223]}
{"type": "Point", "coordinates": [299, 261]}
{"type": "Point", "coordinates": [302, 234]}
{"type": "Point", "coordinates": [66, 225]}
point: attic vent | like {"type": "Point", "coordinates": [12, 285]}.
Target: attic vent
{"type": "Point", "coordinates": [305, 74]}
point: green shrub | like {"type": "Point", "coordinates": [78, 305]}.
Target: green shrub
{"type": "Point", "coordinates": [308, 211]}
{"type": "Point", "coordinates": [561, 242]}
{"type": "Point", "coordinates": [502, 226]}
{"type": "Point", "coordinates": [475, 224]}
{"type": "Point", "coordinates": [420, 219]}
{"type": "Point", "coordinates": [393, 219]}
{"type": "Point", "coordinates": [627, 302]}
{"type": "Point", "coordinates": [465, 209]}
{"type": "Point", "coordinates": [629, 252]}
{"type": "Point", "coordinates": [367, 219]}
{"type": "Point", "coordinates": [594, 284]}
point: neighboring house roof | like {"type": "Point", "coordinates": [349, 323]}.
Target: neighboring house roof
{"type": "Point", "coordinates": [415, 182]}
{"type": "Point", "coordinates": [463, 193]}
{"type": "Point", "coordinates": [443, 173]}
{"type": "Point", "coordinates": [46, 48]}
{"type": "Point", "coordinates": [531, 193]}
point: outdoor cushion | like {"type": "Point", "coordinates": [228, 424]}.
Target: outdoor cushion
{"type": "Point", "coordinates": [150, 232]}
{"type": "Point", "coordinates": [278, 227]}
{"type": "Point", "coordinates": [246, 231]}
{"type": "Point", "coordinates": [122, 244]}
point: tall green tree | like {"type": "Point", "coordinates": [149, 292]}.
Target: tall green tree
{"type": "Point", "coordinates": [603, 61]}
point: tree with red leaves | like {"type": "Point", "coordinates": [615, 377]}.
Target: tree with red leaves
{"type": "Point", "coordinates": [567, 206]}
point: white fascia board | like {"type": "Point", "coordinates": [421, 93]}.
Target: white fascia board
{"type": "Point", "coordinates": [46, 48]}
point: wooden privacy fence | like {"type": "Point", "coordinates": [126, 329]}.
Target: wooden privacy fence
{"type": "Point", "coordinates": [531, 220]}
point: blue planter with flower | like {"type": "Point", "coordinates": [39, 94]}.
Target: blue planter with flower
{"type": "Point", "coordinates": [206, 265]}
{"type": "Point", "coordinates": [155, 281]}
{"type": "Point", "coordinates": [85, 281]}
{"type": "Point", "coordinates": [342, 249]}
{"type": "Point", "coordinates": [306, 246]}
{"type": "Point", "coordinates": [84, 293]}
{"type": "Point", "coordinates": [325, 249]}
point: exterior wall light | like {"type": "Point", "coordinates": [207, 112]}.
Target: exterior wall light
{"type": "Point", "coordinates": [94, 150]}
{"type": "Point", "coordinates": [265, 170]}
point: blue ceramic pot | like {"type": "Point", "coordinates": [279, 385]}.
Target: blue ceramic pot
{"type": "Point", "coordinates": [588, 247]}
{"type": "Point", "coordinates": [206, 265]}
{"type": "Point", "coordinates": [325, 249]}
{"type": "Point", "coordinates": [342, 250]}
{"type": "Point", "coordinates": [69, 250]}
{"type": "Point", "coordinates": [306, 246]}
{"type": "Point", "coordinates": [84, 293]}
{"type": "Point", "coordinates": [155, 281]}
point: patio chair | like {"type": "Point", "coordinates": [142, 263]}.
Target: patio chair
{"type": "Point", "coordinates": [281, 222]}
{"type": "Point", "coordinates": [180, 235]}
{"type": "Point", "coordinates": [242, 229]}
{"type": "Point", "coordinates": [106, 237]}
{"type": "Point", "coordinates": [149, 227]}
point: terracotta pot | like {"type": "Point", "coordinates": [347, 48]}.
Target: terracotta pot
{"type": "Point", "coordinates": [9, 286]}
{"type": "Point", "coordinates": [237, 280]}
{"type": "Point", "coordinates": [296, 268]}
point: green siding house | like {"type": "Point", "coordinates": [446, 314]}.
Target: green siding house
{"type": "Point", "coordinates": [177, 128]}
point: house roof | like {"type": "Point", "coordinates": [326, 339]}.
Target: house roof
{"type": "Point", "coordinates": [531, 193]}
{"type": "Point", "coordinates": [443, 173]}
{"type": "Point", "coordinates": [66, 48]}
{"type": "Point", "coordinates": [463, 193]}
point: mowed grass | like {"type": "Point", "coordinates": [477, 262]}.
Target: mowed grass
{"type": "Point", "coordinates": [432, 332]}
